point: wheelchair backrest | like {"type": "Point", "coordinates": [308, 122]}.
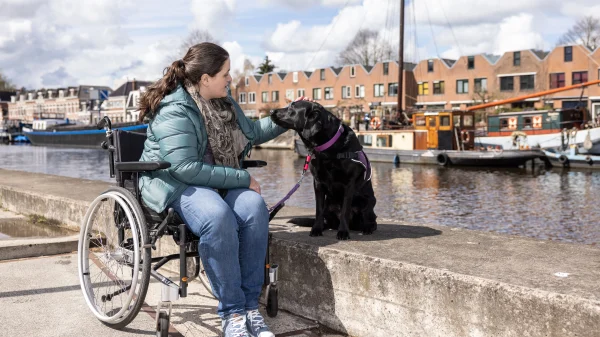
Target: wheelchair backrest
{"type": "Point", "coordinates": [128, 145]}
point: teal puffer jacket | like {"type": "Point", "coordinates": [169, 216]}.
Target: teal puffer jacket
{"type": "Point", "coordinates": [177, 135]}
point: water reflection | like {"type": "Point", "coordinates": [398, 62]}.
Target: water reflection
{"type": "Point", "coordinates": [556, 205]}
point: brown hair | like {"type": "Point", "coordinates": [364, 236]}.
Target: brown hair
{"type": "Point", "coordinates": [204, 58]}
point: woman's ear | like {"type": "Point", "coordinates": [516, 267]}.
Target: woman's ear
{"type": "Point", "coordinates": [204, 79]}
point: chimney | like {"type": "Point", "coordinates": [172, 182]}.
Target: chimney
{"type": "Point", "coordinates": [29, 96]}
{"type": "Point", "coordinates": [49, 93]}
{"type": "Point", "coordinates": [133, 84]}
{"type": "Point", "coordinates": [22, 97]}
{"type": "Point", "coordinates": [13, 99]}
{"type": "Point", "coordinates": [71, 92]}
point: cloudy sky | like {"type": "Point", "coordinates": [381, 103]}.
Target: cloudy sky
{"type": "Point", "coordinates": [50, 43]}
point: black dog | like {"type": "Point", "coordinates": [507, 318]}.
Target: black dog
{"type": "Point", "coordinates": [341, 171]}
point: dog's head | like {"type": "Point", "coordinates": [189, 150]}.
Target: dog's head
{"type": "Point", "coordinates": [307, 118]}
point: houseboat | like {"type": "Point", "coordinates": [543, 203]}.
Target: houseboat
{"type": "Point", "coordinates": [542, 129]}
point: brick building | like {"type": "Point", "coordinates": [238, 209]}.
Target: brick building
{"type": "Point", "coordinates": [434, 83]}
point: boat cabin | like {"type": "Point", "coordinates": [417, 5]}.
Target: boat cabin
{"type": "Point", "coordinates": [535, 122]}
{"type": "Point", "coordinates": [444, 130]}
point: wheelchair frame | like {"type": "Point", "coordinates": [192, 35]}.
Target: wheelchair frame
{"type": "Point", "coordinates": [157, 226]}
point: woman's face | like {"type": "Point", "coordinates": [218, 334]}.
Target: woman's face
{"type": "Point", "coordinates": [216, 86]}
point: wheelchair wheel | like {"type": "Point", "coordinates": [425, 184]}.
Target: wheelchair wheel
{"type": "Point", "coordinates": [162, 330]}
{"type": "Point", "coordinates": [203, 277]}
{"type": "Point", "coordinates": [114, 264]}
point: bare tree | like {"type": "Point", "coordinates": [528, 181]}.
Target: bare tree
{"type": "Point", "coordinates": [586, 31]}
{"type": "Point", "coordinates": [367, 49]}
{"type": "Point", "coordinates": [238, 75]}
{"type": "Point", "coordinates": [194, 37]}
{"type": "Point", "coordinates": [5, 83]}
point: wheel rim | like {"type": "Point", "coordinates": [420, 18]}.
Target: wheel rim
{"type": "Point", "coordinates": [103, 281]}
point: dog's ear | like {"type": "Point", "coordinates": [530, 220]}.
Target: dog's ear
{"type": "Point", "coordinates": [312, 123]}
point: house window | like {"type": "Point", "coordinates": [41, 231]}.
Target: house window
{"type": "Point", "coordinates": [580, 77]}
{"type": "Point", "coordinates": [346, 92]}
{"type": "Point", "coordinates": [471, 62]}
{"type": "Point", "coordinates": [527, 82]}
{"type": "Point", "coordinates": [359, 91]}
{"type": "Point", "coordinates": [507, 83]}
{"type": "Point", "coordinates": [322, 74]}
{"type": "Point", "coordinates": [424, 88]}
{"type": "Point", "coordinates": [393, 89]}
{"type": "Point", "coordinates": [352, 71]}
{"type": "Point", "coordinates": [329, 93]}
{"type": "Point", "coordinates": [517, 58]}
{"type": "Point", "coordinates": [462, 86]}
{"type": "Point", "coordinates": [274, 96]}
{"type": "Point", "coordinates": [265, 96]}
{"type": "Point", "coordinates": [242, 98]}
{"type": "Point", "coordinates": [295, 77]}
{"type": "Point", "coordinates": [289, 94]}
{"type": "Point", "coordinates": [557, 80]}
{"type": "Point", "coordinates": [317, 93]}
{"type": "Point", "coordinates": [430, 66]}
{"type": "Point", "coordinates": [438, 87]}
{"type": "Point", "coordinates": [386, 68]}
{"type": "Point", "coordinates": [378, 90]}
{"type": "Point", "coordinates": [480, 84]}
{"type": "Point", "coordinates": [568, 54]}
{"type": "Point", "coordinates": [301, 93]}
{"type": "Point", "coordinates": [252, 97]}
{"type": "Point", "coordinates": [247, 81]}
{"type": "Point", "coordinates": [270, 78]}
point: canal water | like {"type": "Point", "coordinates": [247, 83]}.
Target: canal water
{"type": "Point", "coordinates": [551, 205]}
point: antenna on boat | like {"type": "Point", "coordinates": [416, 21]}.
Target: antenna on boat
{"type": "Point", "coordinates": [401, 64]}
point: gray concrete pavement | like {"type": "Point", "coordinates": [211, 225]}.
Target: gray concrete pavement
{"type": "Point", "coordinates": [42, 297]}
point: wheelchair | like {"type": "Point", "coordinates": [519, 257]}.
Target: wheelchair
{"type": "Point", "coordinates": [119, 233]}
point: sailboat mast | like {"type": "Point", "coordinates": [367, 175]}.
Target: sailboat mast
{"type": "Point", "coordinates": [401, 62]}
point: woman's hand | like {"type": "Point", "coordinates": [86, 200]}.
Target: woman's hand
{"type": "Point", "coordinates": [254, 185]}
{"type": "Point", "coordinates": [304, 98]}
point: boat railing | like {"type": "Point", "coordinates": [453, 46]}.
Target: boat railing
{"type": "Point", "coordinates": [545, 128]}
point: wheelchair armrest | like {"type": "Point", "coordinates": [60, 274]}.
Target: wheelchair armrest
{"type": "Point", "coordinates": [253, 163]}
{"type": "Point", "coordinates": [141, 166]}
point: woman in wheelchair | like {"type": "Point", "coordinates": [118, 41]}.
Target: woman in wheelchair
{"type": "Point", "coordinates": [194, 124]}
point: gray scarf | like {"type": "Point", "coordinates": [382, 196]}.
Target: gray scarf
{"type": "Point", "coordinates": [225, 138]}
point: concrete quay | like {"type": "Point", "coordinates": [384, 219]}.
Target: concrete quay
{"type": "Point", "coordinates": [404, 280]}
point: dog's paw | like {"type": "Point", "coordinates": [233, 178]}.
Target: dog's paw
{"type": "Point", "coordinates": [368, 231]}
{"type": "Point", "coordinates": [316, 232]}
{"type": "Point", "coordinates": [343, 235]}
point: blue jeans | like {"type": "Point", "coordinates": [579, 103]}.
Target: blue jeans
{"type": "Point", "coordinates": [233, 235]}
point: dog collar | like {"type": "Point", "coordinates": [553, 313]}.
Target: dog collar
{"type": "Point", "coordinates": [327, 145]}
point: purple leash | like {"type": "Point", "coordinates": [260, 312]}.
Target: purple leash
{"type": "Point", "coordinates": [306, 162]}
{"type": "Point", "coordinates": [319, 149]}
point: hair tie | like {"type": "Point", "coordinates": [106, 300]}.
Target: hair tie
{"type": "Point", "coordinates": [181, 64]}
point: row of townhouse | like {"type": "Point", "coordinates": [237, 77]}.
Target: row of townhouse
{"type": "Point", "coordinates": [434, 83]}
{"type": "Point", "coordinates": [75, 104]}
{"type": "Point", "coordinates": [346, 90]}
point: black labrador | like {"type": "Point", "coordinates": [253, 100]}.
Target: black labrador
{"type": "Point", "coordinates": [341, 171]}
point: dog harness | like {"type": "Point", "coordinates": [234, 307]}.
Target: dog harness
{"type": "Point", "coordinates": [357, 156]}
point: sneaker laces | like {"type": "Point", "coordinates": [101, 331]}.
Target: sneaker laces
{"type": "Point", "coordinates": [256, 322]}
{"type": "Point", "coordinates": [235, 326]}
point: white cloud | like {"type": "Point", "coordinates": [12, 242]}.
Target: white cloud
{"type": "Point", "coordinates": [300, 4]}
{"type": "Point", "coordinates": [213, 15]}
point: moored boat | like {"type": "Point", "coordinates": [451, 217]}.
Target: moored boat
{"type": "Point", "coordinates": [77, 136]}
